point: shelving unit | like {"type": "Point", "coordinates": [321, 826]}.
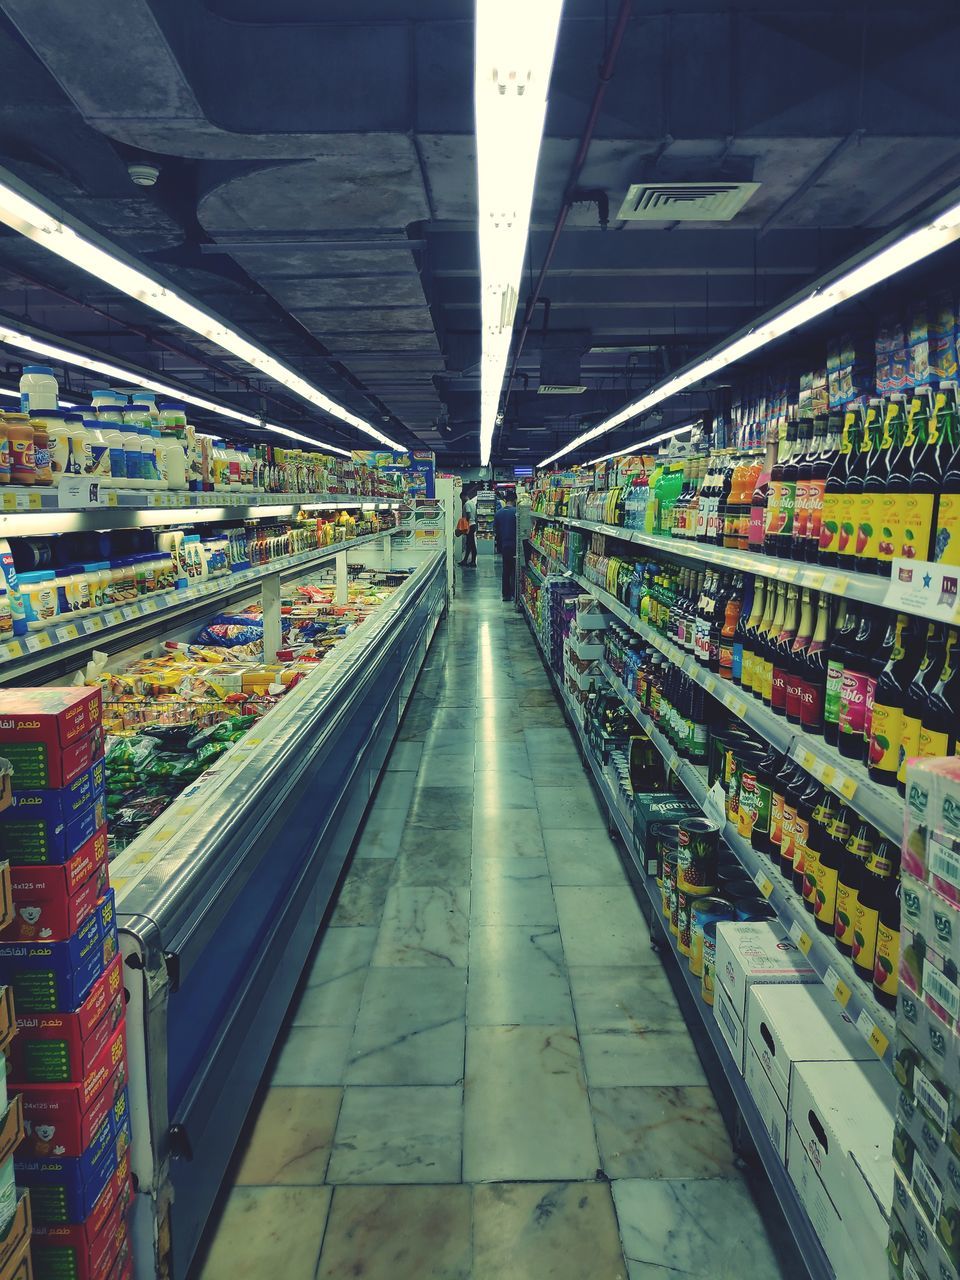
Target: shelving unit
{"type": "Point", "coordinates": [863, 587]}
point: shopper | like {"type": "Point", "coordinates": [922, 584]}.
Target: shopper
{"type": "Point", "coordinates": [505, 535]}
{"type": "Point", "coordinates": [469, 560]}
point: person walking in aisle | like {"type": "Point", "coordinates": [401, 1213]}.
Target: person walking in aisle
{"type": "Point", "coordinates": [505, 535]}
{"type": "Point", "coordinates": [469, 560]}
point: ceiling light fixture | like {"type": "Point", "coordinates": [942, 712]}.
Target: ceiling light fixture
{"type": "Point", "coordinates": [104, 262]}
{"type": "Point", "coordinates": [63, 355]}
{"type": "Point", "coordinates": [515, 44]}
{"type": "Point", "coordinates": [876, 265]}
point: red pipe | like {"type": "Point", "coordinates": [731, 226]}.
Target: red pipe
{"type": "Point", "coordinates": [604, 76]}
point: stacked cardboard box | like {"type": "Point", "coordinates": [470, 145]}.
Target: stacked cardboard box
{"type": "Point", "coordinates": [60, 955]}
{"type": "Point", "coordinates": [925, 1233]}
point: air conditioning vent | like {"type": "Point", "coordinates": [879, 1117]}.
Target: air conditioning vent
{"type": "Point", "coordinates": [558, 389]}
{"type": "Point", "coordinates": [685, 201]}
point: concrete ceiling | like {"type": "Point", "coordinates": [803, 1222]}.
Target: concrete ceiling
{"type": "Point", "coordinates": [317, 185]}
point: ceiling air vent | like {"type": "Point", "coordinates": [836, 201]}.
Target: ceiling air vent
{"type": "Point", "coordinates": [685, 201]}
{"type": "Point", "coordinates": [558, 389]}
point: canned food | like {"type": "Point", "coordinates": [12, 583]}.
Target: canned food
{"type": "Point", "coordinates": [684, 902]}
{"type": "Point", "coordinates": [661, 834]}
{"type": "Point", "coordinates": [668, 880]}
{"type": "Point", "coordinates": [709, 961]}
{"type": "Point", "coordinates": [697, 867]}
{"type": "Point", "coordinates": [755, 908]}
{"type": "Point", "coordinates": [702, 912]}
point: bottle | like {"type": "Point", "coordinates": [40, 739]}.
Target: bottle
{"type": "Point", "coordinates": [857, 668]}
{"type": "Point", "coordinates": [23, 463]}
{"type": "Point", "coordinates": [834, 494]}
{"type": "Point", "coordinates": [798, 442]}
{"type": "Point", "coordinates": [731, 619]}
{"type": "Point", "coordinates": [806, 805]}
{"type": "Point", "coordinates": [811, 443]}
{"type": "Point", "coordinates": [751, 634]}
{"type": "Point", "coordinates": [946, 541]}
{"type": "Point", "coordinates": [795, 784]}
{"type": "Point", "coordinates": [877, 443]}
{"type": "Point", "coordinates": [856, 852]}
{"type": "Point", "coordinates": [924, 472]}
{"type": "Point", "coordinates": [875, 886]}
{"type": "Point", "coordinates": [831, 856]}
{"type": "Point", "coordinates": [779, 501]}
{"type": "Point", "coordinates": [887, 964]}
{"type": "Point", "coordinates": [896, 484]}
{"type": "Point", "coordinates": [768, 767]}
{"type": "Point", "coordinates": [886, 721]}
{"type": "Point", "coordinates": [781, 654]}
{"type": "Point", "coordinates": [796, 668]}
{"type": "Point", "coordinates": [822, 815]}
{"type": "Point", "coordinates": [827, 431]}
{"type": "Point", "coordinates": [743, 614]}
{"type": "Point", "coordinates": [43, 474]}
{"type": "Point", "coordinates": [38, 388]}
{"type": "Point", "coordinates": [860, 446]}
{"type": "Point", "coordinates": [938, 727]}
{"type": "Point", "coordinates": [813, 676]}
{"type": "Point", "coordinates": [770, 644]}
{"type": "Point", "coordinates": [844, 630]}
{"type": "Point", "coordinates": [756, 524]}
{"type": "Point", "coordinates": [928, 673]}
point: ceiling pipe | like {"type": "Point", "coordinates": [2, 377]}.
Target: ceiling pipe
{"type": "Point", "coordinates": [571, 195]}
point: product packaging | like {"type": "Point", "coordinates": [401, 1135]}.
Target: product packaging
{"type": "Point", "coordinates": [58, 1047]}
{"type": "Point", "coordinates": [49, 977]}
{"type": "Point", "coordinates": [62, 1119]}
{"type": "Point", "coordinates": [71, 1189]}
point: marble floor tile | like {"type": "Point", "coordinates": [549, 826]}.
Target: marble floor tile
{"type": "Point", "coordinates": [543, 697]}
{"type": "Point", "coordinates": [410, 1028]}
{"type": "Point", "coordinates": [504, 996]}
{"type": "Point", "coordinates": [513, 900]}
{"type": "Point", "coordinates": [395, 788]}
{"type": "Point", "coordinates": [450, 769]}
{"type": "Point", "coordinates": [583, 857]}
{"type": "Point", "coordinates": [331, 1003]}
{"type": "Point", "coordinates": [291, 1138]}
{"type": "Point", "coordinates": [423, 927]}
{"type": "Point", "coordinates": [571, 807]}
{"type": "Point", "coordinates": [502, 757]}
{"type": "Point", "coordinates": [398, 1232]}
{"type": "Point", "coordinates": [312, 1056]}
{"type": "Point", "coordinates": [543, 717]}
{"type": "Point", "coordinates": [705, 1227]}
{"type": "Point", "coordinates": [437, 739]}
{"type": "Point", "coordinates": [496, 789]}
{"type": "Point", "coordinates": [615, 998]}
{"type": "Point", "coordinates": [431, 857]}
{"type": "Point", "coordinates": [641, 1058]}
{"type": "Point", "coordinates": [516, 949]}
{"type": "Point", "coordinates": [519, 1081]}
{"type": "Point", "coordinates": [363, 893]}
{"type": "Point", "coordinates": [507, 833]}
{"type": "Point", "coordinates": [499, 729]}
{"type": "Point", "coordinates": [670, 1132]}
{"type": "Point", "coordinates": [560, 1230]}
{"type": "Point", "coordinates": [442, 808]}
{"type": "Point", "coordinates": [601, 926]}
{"type": "Point", "coordinates": [268, 1231]}
{"type": "Point", "coordinates": [463, 719]}
{"type": "Point", "coordinates": [402, 1134]}
{"type": "Point", "coordinates": [404, 756]}
{"type": "Point", "coordinates": [381, 839]}
{"type": "Point", "coordinates": [342, 951]}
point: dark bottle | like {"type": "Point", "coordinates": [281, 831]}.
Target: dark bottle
{"type": "Point", "coordinates": [887, 963]}
{"type": "Point", "coordinates": [770, 638]}
{"type": "Point", "coordinates": [946, 540]}
{"type": "Point", "coordinates": [739, 635]}
{"type": "Point", "coordinates": [875, 886]}
{"type": "Point", "coordinates": [766, 771]}
{"type": "Point", "coordinates": [928, 673]}
{"type": "Point", "coordinates": [805, 879]}
{"type": "Point", "coordinates": [831, 856]}
{"type": "Point", "coordinates": [781, 654]}
{"type": "Point", "coordinates": [727, 516]}
{"type": "Point", "coordinates": [807, 802]}
{"type": "Point", "coordinates": [813, 476]}
{"type": "Point", "coordinates": [874, 486]}
{"type": "Point", "coordinates": [852, 867]}
{"type": "Point", "coordinates": [845, 629]}
{"type": "Point", "coordinates": [796, 669]}
{"type": "Point", "coordinates": [886, 720]}
{"type": "Point", "coordinates": [925, 475]}
{"type": "Point", "coordinates": [802, 467]}
{"type": "Point", "coordinates": [779, 788]}
{"type": "Point", "coordinates": [791, 500]}
{"type": "Point", "coordinates": [834, 488]}
{"type": "Point", "coordinates": [860, 447]}
{"type": "Point", "coordinates": [781, 497]}
{"type": "Point", "coordinates": [938, 728]}
{"type": "Point", "coordinates": [760, 619]}
{"type": "Point", "coordinates": [756, 525]}
{"type": "Point", "coordinates": [728, 632]}
{"type": "Point", "coordinates": [813, 677]}
{"type": "Point", "coordinates": [896, 483]}
{"type": "Point", "coordinates": [794, 784]}
{"type": "Point", "coordinates": [857, 671]}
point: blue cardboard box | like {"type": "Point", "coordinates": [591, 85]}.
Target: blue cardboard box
{"type": "Point", "coordinates": [49, 826]}
{"type": "Point", "coordinates": [49, 977]}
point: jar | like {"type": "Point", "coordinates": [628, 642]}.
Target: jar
{"type": "Point", "coordinates": [149, 470]}
{"type": "Point", "coordinates": [173, 461]}
{"type": "Point", "coordinates": [82, 458]}
{"type": "Point", "coordinates": [98, 451]}
{"type": "Point", "coordinates": [6, 614]}
{"type": "Point", "coordinates": [69, 590]}
{"type": "Point", "coordinates": [135, 415]}
{"type": "Point", "coordinates": [111, 429]}
{"type": "Point", "coordinates": [107, 403]}
{"type": "Point", "coordinates": [130, 440]}
{"type": "Point", "coordinates": [4, 452]}
{"type": "Point", "coordinates": [98, 575]}
{"type": "Point", "coordinates": [39, 593]}
{"type": "Point", "coordinates": [41, 451]}
{"type": "Point", "coordinates": [145, 574]}
{"type": "Point", "coordinates": [120, 582]}
{"type": "Point", "coordinates": [172, 414]}
{"type": "Point", "coordinates": [166, 572]}
{"type": "Point", "coordinates": [59, 444]}
{"type": "Point", "coordinates": [23, 464]}
{"type": "Point", "coordinates": [147, 401]}
{"type": "Point", "coordinates": [38, 388]}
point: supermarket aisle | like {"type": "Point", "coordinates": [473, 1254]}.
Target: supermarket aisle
{"type": "Point", "coordinates": [485, 1027]}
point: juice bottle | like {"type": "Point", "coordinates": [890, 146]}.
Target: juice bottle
{"type": "Point", "coordinates": [826, 430]}
{"type": "Point", "coordinates": [941, 711]}
{"type": "Point", "coordinates": [887, 963]}
{"type": "Point", "coordinates": [917, 503]}
{"type": "Point", "coordinates": [928, 673]}
{"type": "Point", "coordinates": [946, 542]}
{"type": "Point", "coordinates": [875, 886]}
{"type": "Point", "coordinates": [797, 659]}
{"type": "Point", "coordinates": [860, 446]}
{"type": "Point", "coordinates": [886, 721]}
{"type": "Point", "coordinates": [844, 630]}
{"type": "Point", "coordinates": [813, 674]}
{"type": "Point", "coordinates": [878, 442]}
{"type": "Point", "coordinates": [833, 497]}
{"type": "Point", "coordinates": [828, 871]}
{"type": "Point", "coordinates": [857, 851]}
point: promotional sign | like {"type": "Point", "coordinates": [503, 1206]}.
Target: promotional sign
{"type": "Point", "coordinates": [418, 465]}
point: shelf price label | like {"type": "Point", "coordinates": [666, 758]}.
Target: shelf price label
{"type": "Point", "coordinates": [828, 775]}
{"type": "Point", "coordinates": [807, 759]}
{"type": "Point", "coordinates": [874, 1037]}
{"type": "Point", "coordinates": [9, 501]}
{"type": "Point", "coordinates": [800, 936]}
{"type": "Point", "coordinates": [833, 982]}
{"type": "Point", "coordinates": [38, 641]}
{"type": "Point", "coordinates": [739, 707]}
{"type": "Point", "coordinates": [12, 650]}
{"type": "Point", "coordinates": [69, 632]}
{"type": "Point", "coordinates": [763, 883]}
{"type": "Point", "coordinates": [710, 683]}
{"type": "Point", "coordinates": [847, 787]}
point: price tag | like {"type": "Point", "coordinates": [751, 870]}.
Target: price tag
{"type": "Point", "coordinates": [827, 775]}
{"type": "Point", "coordinates": [9, 502]}
{"type": "Point", "coordinates": [711, 684]}
{"type": "Point", "coordinates": [87, 625]}
{"type": "Point", "coordinates": [112, 500]}
{"type": "Point", "coordinates": [739, 707]}
{"type": "Point", "coordinates": [833, 982]}
{"type": "Point", "coordinates": [839, 583]}
{"type": "Point", "coordinates": [807, 759]}
{"type": "Point", "coordinates": [68, 632]}
{"type": "Point", "coordinates": [673, 763]}
{"type": "Point", "coordinates": [129, 612]}
{"type": "Point", "coordinates": [764, 884]}
{"type": "Point", "coordinates": [874, 1037]}
{"type": "Point", "coordinates": [848, 788]}
{"type": "Point", "coordinates": [12, 650]}
{"type": "Point", "coordinates": [814, 578]}
{"type": "Point", "coordinates": [37, 642]}
{"type": "Point", "coordinates": [801, 937]}
{"type": "Point", "coordinates": [113, 617]}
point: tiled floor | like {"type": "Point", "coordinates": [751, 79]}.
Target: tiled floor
{"type": "Point", "coordinates": [485, 1027]}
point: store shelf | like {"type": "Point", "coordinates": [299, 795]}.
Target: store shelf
{"type": "Point", "coordinates": [843, 777]}
{"type": "Point", "coordinates": [77, 633]}
{"type": "Point", "coordinates": [37, 512]}
{"type": "Point", "coordinates": [864, 587]}
{"type": "Point", "coordinates": [835, 970]}
{"type": "Point", "coordinates": [800, 1226]}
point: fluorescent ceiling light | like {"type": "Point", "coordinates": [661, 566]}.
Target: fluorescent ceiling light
{"type": "Point", "coordinates": [62, 355]}
{"type": "Point", "coordinates": [78, 247]}
{"type": "Point", "coordinates": [515, 44]}
{"type": "Point", "coordinates": [909, 249]}
{"type": "Point", "coordinates": [643, 444]}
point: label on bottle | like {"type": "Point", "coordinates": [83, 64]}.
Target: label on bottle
{"type": "Point", "coordinates": [794, 696]}
{"type": "Point", "coordinates": [801, 511]}
{"type": "Point", "coordinates": [773, 521]}
{"type": "Point", "coordinates": [99, 461]}
{"type": "Point", "coordinates": [831, 696]}
{"type": "Point", "coordinates": [833, 505]}
{"type": "Point", "coordinates": [776, 818]}
{"type": "Point", "coordinates": [853, 702]}
{"type": "Point", "coordinates": [787, 507]}
{"type": "Point", "coordinates": [865, 923]}
{"type": "Point", "coordinates": [778, 687]}
{"type": "Point", "coordinates": [736, 669]}
{"type": "Point", "coordinates": [886, 724]}
{"type": "Point", "coordinates": [910, 727]}
{"type": "Point", "coordinates": [815, 510]}
{"type": "Point", "coordinates": [868, 528]}
{"type": "Point", "coordinates": [888, 960]}
{"type": "Point", "coordinates": [788, 833]}
{"type": "Point", "coordinates": [118, 463]}
{"type": "Point", "coordinates": [917, 510]}
{"type": "Point", "coordinates": [762, 806]}
{"type": "Point", "coordinates": [890, 522]}
{"type": "Point", "coordinates": [767, 681]}
{"type": "Point", "coordinates": [755, 528]}
{"type": "Point", "coordinates": [826, 900]}
{"type": "Point", "coordinates": [801, 839]}
{"type": "Point", "coordinates": [811, 870]}
{"type": "Point", "coordinates": [845, 914]}
{"type": "Point", "coordinates": [747, 809]}
{"type": "Point", "coordinates": [850, 510]}
{"type": "Point", "coordinates": [932, 743]}
{"type": "Point", "coordinates": [946, 543]}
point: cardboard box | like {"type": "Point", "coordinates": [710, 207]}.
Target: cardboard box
{"type": "Point", "coordinates": [71, 1189]}
{"type": "Point", "coordinates": [6, 896]}
{"type": "Point", "coordinates": [62, 1119]}
{"type": "Point", "coordinates": [842, 1116]}
{"type": "Point", "coordinates": [731, 1027]}
{"type": "Point", "coordinates": [754, 952]}
{"type": "Point", "coordinates": [72, 1250]}
{"type": "Point", "coordinates": [16, 1239]}
{"type": "Point", "coordinates": [38, 767]}
{"type": "Point", "coordinates": [772, 1111]}
{"type": "Point", "coordinates": [53, 901]}
{"type": "Point", "coordinates": [49, 977]}
{"type": "Point", "coordinates": [826, 1221]}
{"type": "Point", "coordinates": [51, 825]}
{"type": "Point", "coordinates": [53, 715]}
{"type": "Point", "coordinates": [655, 806]}
{"type": "Point", "coordinates": [11, 1128]}
{"type": "Point", "coordinates": [8, 1019]}
{"type": "Point", "coordinates": [56, 1047]}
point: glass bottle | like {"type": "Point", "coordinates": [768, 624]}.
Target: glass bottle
{"type": "Point", "coordinates": [796, 667]}
{"type": "Point", "coordinates": [877, 442]}
{"type": "Point", "coordinates": [875, 887]}
{"type": "Point", "coordinates": [813, 676]}
{"type": "Point", "coordinates": [805, 882]}
{"type": "Point", "coordinates": [938, 728]}
{"type": "Point", "coordinates": [750, 638]}
{"type": "Point", "coordinates": [946, 542]}
{"type": "Point", "coordinates": [886, 720]}
{"type": "Point", "coordinates": [928, 673]}
{"type": "Point", "coordinates": [896, 484]}
{"type": "Point", "coordinates": [844, 631]}
{"type": "Point", "coordinates": [828, 871]}
{"type": "Point", "coordinates": [834, 496]}
{"type": "Point", "coordinates": [856, 852]}
{"type": "Point", "coordinates": [781, 654]}
{"type": "Point", "coordinates": [857, 670]}
{"type": "Point", "coordinates": [743, 615]}
{"type": "Point", "coordinates": [770, 644]}
{"type": "Point", "coordinates": [924, 470]}
{"type": "Point", "coordinates": [795, 486]}
{"type": "Point", "coordinates": [860, 445]}
{"type": "Point", "coordinates": [887, 964]}
{"type": "Point", "coordinates": [813, 476]}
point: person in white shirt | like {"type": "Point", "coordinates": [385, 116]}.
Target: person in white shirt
{"type": "Point", "coordinates": [470, 540]}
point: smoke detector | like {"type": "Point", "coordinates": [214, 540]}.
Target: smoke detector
{"type": "Point", "coordinates": [685, 201]}
{"type": "Point", "coordinates": [144, 175]}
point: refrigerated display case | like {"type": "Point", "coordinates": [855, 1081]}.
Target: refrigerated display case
{"type": "Point", "coordinates": [486, 509]}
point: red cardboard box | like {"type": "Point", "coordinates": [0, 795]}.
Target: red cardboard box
{"type": "Point", "coordinates": [78, 1251]}
{"type": "Point", "coordinates": [53, 901]}
{"type": "Point", "coordinates": [38, 767]}
{"type": "Point", "coordinates": [51, 1048]}
{"type": "Point", "coordinates": [53, 715]}
{"type": "Point", "coordinates": [62, 1118]}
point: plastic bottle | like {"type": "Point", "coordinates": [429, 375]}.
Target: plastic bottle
{"type": "Point", "coordinates": [80, 445]}
{"type": "Point", "coordinates": [110, 426]}
{"type": "Point", "coordinates": [130, 441]}
{"type": "Point", "coordinates": [107, 403]}
{"type": "Point", "coordinates": [40, 600]}
{"type": "Point", "coordinates": [149, 470]}
{"type": "Point", "coordinates": [4, 452]}
{"type": "Point", "coordinates": [98, 447]}
{"type": "Point", "coordinates": [172, 460]}
{"type": "Point", "coordinates": [38, 388]}
{"type": "Point", "coordinates": [8, 573]}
